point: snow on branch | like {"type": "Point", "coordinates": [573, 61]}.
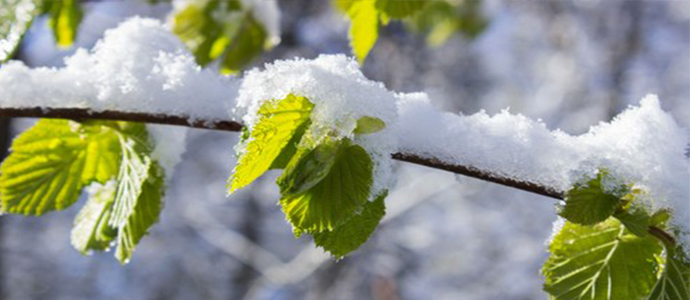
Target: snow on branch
{"type": "Point", "coordinates": [141, 72]}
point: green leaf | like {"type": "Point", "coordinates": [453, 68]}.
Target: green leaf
{"type": "Point", "coordinates": [635, 219]}
{"type": "Point", "coordinates": [367, 125]}
{"type": "Point", "coordinates": [588, 204]}
{"type": "Point", "coordinates": [308, 167]}
{"type": "Point", "coordinates": [337, 197]}
{"type": "Point", "coordinates": [215, 29]}
{"type": "Point", "coordinates": [443, 19]}
{"type": "Point", "coordinates": [248, 42]}
{"type": "Point", "coordinates": [139, 191]}
{"type": "Point", "coordinates": [604, 261]}
{"type": "Point", "coordinates": [91, 230]}
{"type": "Point", "coordinates": [398, 9]}
{"type": "Point", "coordinates": [352, 234]}
{"type": "Point", "coordinates": [51, 162]}
{"type": "Point", "coordinates": [65, 17]}
{"type": "Point", "coordinates": [364, 29]}
{"type": "Point", "coordinates": [279, 122]}
{"type": "Point", "coordinates": [674, 283]}
{"type": "Point", "coordinates": [15, 19]}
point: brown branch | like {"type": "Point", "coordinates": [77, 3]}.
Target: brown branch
{"type": "Point", "coordinates": [227, 125]}
{"type": "Point", "coordinates": [81, 113]}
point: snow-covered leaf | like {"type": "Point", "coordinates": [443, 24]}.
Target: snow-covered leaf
{"type": "Point", "coordinates": [588, 204]}
{"type": "Point", "coordinates": [52, 161]}
{"type": "Point", "coordinates": [337, 197]}
{"type": "Point", "coordinates": [139, 191]}
{"type": "Point", "coordinates": [279, 121]}
{"type": "Point", "coordinates": [91, 229]}
{"type": "Point", "coordinates": [352, 234]}
{"type": "Point", "coordinates": [600, 262]}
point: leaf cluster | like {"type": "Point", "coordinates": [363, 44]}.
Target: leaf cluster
{"type": "Point", "coordinates": [326, 181]}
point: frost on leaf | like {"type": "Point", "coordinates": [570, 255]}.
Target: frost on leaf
{"type": "Point", "coordinates": [279, 123]}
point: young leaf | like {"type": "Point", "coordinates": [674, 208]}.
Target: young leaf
{"type": "Point", "coordinates": [52, 161]}
{"type": "Point", "coordinates": [65, 16]}
{"type": "Point", "coordinates": [15, 19]}
{"type": "Point", "coordinates": [674, 283]}
{"type": "Point", "coordinates": [337, 197]}
{"type": "Point", "coordinates": [139, 191]}
{"type": "Point", "coordinates": [91, 230]}
{"type": "Point", "coordinates": [364, 29]}
{"type": "Point", "coordinates": [367, 125]}
{"type": "Point", "coordinates": [604, 261]}
{"type": "Point", "coordinates": [279, 122]}
{"type": "Point", "coordinates": [589, 204]}
{"type": "Point", "coordinates": [352, 234]}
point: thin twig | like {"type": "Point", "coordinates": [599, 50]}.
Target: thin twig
{"type": "Point", "coordinates": [228, 125]}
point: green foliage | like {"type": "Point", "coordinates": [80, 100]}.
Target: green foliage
{"type": "Point", "coordinates": [355, 232]}
{"type": "Point", "coordinates": [326, 182]}
{"type": "Point", "coordinates": [51, 162]}
{"type": "Point", "coordinates": [54, 160]}
{"type": "Point", "coordinates": [674, 283]}
{"type": "Point", "coordinates": [635, 219]}
{"type": "Point", "coordinates": [440, 19]}
{"type": "Point", "coordinates": [367, 125]}
{"type": "Point", "coordinates": [139, 191]}
{"type": "Point", "coordinates": [604, 261]}
{"type": "Point", "coordinates": [443, 19]}
{"type": "Point", "coordinates": [216, 28]}
{"type": "Point", "coordinates": [364, 30]}
{"type": "Point", "coordinates": [15, 19]}
{"type": "Point", "coordinates": [335, 198]}
{"type": "Point", "coordinates": [65, 16]}
{"type": "Point", "coordinates": [278, 123]}
{"type": "Point", "coordinates": [589, 204]}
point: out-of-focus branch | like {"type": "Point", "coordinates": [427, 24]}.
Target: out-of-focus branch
{"type": "Point", "coordinates": [229, 125]}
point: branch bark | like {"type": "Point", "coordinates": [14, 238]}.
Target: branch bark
{"type": "Point", "coordinates": [228, 125]}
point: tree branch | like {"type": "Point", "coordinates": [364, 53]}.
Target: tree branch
{"type": "Point", "coordinates": [227, 125]}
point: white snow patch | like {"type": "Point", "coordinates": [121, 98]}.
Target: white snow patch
{"type": "Point", "coordinates": [642, 146]}
{"type": "Point", "coordinates": [341, 94]}
{"type": "Point", "coordinates": [170, 142]}
{"type": "Point", "coordinates": [140, 66]}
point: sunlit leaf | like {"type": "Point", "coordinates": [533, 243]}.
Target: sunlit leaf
{"type": "Point", "coordinates": [279, 121]}
{"type": "Point", "coordinates": [367, 125]}
{"type": "Point", "coordinates": [65, 16]}
{"type": "Point", "coordinates": [604, 261]}
{"type": "Point", "coordinates": [91, 231]}
{"type": "Point", "coordinates": [51, 162]}
{"type": "Point", "coordinates": [364, 29]}
{"type": "Point", "coordinates": [674, 283]}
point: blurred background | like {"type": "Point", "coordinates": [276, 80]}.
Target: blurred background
{"type": "Point", "coordinates": [571, 64]}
